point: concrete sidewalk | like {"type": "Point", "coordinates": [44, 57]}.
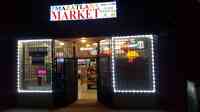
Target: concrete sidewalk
{"type": "Point", "coordinates": [81, 106]}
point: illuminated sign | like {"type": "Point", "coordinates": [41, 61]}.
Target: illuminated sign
{"type": "Point", "coordinates": [41, 72]}
{"type": "Point", "coordinates": [132, 55]}
{"type": "Point", "coordinates": [83, 11]}
{"type": "Point", "coordinates": [136, 44]}
{"type": "Point", "coordinates": [60, 60]}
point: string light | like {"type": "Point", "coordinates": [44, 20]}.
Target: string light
{"type": "Point", "coordinates": [114, 84]}
{"type": "Point", "coordinates": [19, 50]}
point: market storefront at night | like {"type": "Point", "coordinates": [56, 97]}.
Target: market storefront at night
{"type": "Point", "coordinates": [112, 52]}
{"type": "Point", "coordinates": [116, 53]}
{"type": "Point", "coordinates": [115, 70]}
{"type": "Point", "coordinates": [94, 68]}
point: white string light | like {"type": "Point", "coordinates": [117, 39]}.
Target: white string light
{"type": "Point", "coordinates": [114, 84]}
{"type": "Point", "coordinates": [19, 48]}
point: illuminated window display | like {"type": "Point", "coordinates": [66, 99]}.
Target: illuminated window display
{"type": "Point", "coordinates": [34, 66]}
{"type": "Point", "coordinates": [133, 64]}
{"type": "Point", "coordinates": [132, 59]}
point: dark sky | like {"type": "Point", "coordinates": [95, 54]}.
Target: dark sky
{"type": "Point", "coordinates": [133, 16]}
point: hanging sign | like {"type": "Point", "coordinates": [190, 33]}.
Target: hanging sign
{"type": "Point", "coordinates": [83, 11]}
{"type": "Point", "coordinates": [136, 44]}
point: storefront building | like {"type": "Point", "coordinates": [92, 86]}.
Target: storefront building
{"type": "Point", "coordinates": [115, 66]}
{"type": "Point", "coordinates": [85, 52]}
{"type": "Point", "coordinates": [121, 65]}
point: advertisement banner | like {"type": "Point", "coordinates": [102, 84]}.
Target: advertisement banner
{"type": "Point", "coordinates": [83, 11]}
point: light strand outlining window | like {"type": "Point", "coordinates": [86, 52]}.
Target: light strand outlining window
{"type": "Point", "coordinates": [34, 66]}
{"type": "Point", "coordinates": [133, 64]}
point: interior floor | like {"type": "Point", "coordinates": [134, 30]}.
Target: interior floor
{"type": "Point", "coordinates": [87, 79]}
{"type": "Point", "coordinates": [86, 94]}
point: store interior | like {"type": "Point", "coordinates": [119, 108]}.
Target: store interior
{"type": "Point", "coordinates": [85, 50]}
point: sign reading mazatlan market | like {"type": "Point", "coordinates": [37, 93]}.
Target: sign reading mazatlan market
{"type": "Point", "coordinates": [83, 11]}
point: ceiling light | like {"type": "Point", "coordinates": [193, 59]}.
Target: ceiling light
{"type": "Point", "coordinates": [83, 40]}
{"type": "Point", "coordinates": [87, 45]}
{"type": "Point", "coordinates": [62, 44]}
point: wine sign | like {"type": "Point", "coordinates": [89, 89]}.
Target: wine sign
{"type": "Point", "coordinates": [41, 72]}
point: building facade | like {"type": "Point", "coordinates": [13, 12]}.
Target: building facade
{"type": "Point", "coordinates": [123, 48]}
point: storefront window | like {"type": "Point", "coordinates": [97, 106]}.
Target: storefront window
{"type": "Point", "coordinates": [63, 49]}
{"type": "Point", "coordinates": [105, 47]}
{"type": "Point", "coordinates": [34, 66]}
{"type": "Point", "coordinates": [132, 61]}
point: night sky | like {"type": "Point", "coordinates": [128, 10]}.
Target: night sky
{"type": "Point", "coordinates": [136, 16]}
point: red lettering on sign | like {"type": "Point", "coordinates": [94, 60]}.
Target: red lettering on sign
{"type": "Point", "coordinates": [65, 16]}
{"type": "Point", "coordinates": [56, 15]}
{"type": "Point", "coordinates": [87, 14]}
{"type": "Point", "coordinates": [72, 15]}
{"type": "Point", "coordinates": [80, 15]}
{"type": "Point", "coordinates": [96, 13]}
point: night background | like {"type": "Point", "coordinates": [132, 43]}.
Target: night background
{"type": "Point", "coordinates": [30, 18]}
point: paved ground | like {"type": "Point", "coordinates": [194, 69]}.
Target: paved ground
{"type": "Point", "coordinates": [81, 106]}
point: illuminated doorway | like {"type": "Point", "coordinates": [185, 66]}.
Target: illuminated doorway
{"type": "Point", "coordinates": [87, 76]}
{"type": "Point", "coordinates": [86, 52]}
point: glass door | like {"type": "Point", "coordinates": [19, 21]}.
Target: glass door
{"type": "Point", "coordinates": [65, 76]}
